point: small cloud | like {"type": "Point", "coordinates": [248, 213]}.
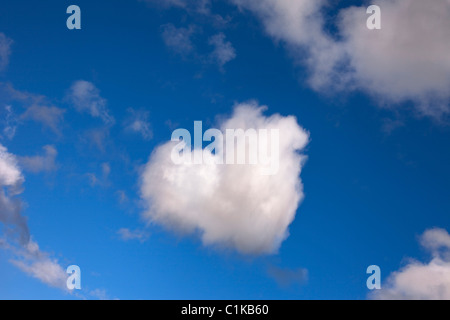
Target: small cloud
{"type": "Point", "coordinates": [10, 123]}
{"type": "Point", "coordinates": [99, 294]}
{"type": "Point", "coordinates": [223, 51]}
{"type": "Point", "coordinates": [102, 178]}
{"type": "Point", "coordinates": [85, 97]}
{"type": "Point", "coordinates": [41, 163]}
{"type": "Point", "coordinates": [167, 3]}
{"type": "Point", "coordinates": [37, 108]}
{"type": "Point", "coordinates": [178, 39]}
{"type": "Point", "coordinates": [126, 234]}
{"type": "Point", "coordinates": [138, 123]}
{"type": "Point", "coordinates": [288, 277]}
{"type": "Point", "coordinates": [106, 170]}
{"type": "Point", "coordinates": [97, 138]}
{"type": "Point", "coordinates": [196, 6]}
{"type": "Point", "coordinates": [390, 125]}
{"type": "Point", "coordinates": [5, 50]}
{"type": "Point", "coordinates": [51, 117]}
{"type": "Point", "coordinates": [122, 196]}
{"type": "Point", "coordinates": [422, 281]}
{"type": "Point", "coordinates": [171, 125]}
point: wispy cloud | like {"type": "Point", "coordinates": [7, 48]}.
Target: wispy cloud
{"type": "Point", "coordinates": [38, 264]}
{"type": "Point", "coordinates": [5, 50]}
{"type": "Point", "coordinates": [85, 97]}
{"type": "Point", "coordinates": [36, 108]}
{"type": "Point", "coordinates": [51, 116]}
{"type": "Point", "coordinates": [288, 277]}
{"type": "Point", "coordinates": [10, 123]}
{"type": "Point", "coordinates": [192, 6]}
{"type": "Point", "coordinates": [99, 294]}
{"type": "Point", "coordinates": [138, 122]}
{"type": "Point", "coordinates": [97, 138]}
{"type": "Point", "coordinates": [41, 163]}
{"type": "Point", "coordinates": [223, 50]}
{"type": "Point", "coordinates": [102, 178]}
{"type": "Point", "coordinates": [126, 234]}
{"type": "Point", "coordinates": [178, 39]}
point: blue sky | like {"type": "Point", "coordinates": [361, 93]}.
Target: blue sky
{"type": "Point", "coordinates": [376, 175]}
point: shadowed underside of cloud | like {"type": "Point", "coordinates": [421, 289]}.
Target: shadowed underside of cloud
{"type": "Point", "coordinates": [15, 235]}
{"type": "Point", "coordinates": [422, 281]}
{"type": "Point", "coordinates": [231, 206]}
{"type": "Point", "coordinates": [406, 61]}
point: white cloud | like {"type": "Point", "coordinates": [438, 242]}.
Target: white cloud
{"type": "Point", "coordinates": [407, 60]}
{"type": "Point", "coordinates": [5, 50]}
{"type": "Point", "coordinates": [230, 206]}
{"type": "Point", "coordinates": [434, 240]}
{"type": "Point", "coordinates": [41, 163]}
{"type": "Point", "coordinates": [223, 50]}
{"type": "Point", "coordinates": [86, 98]}
{"type": "Point", "coordinates": [422, 281]}
{"type": "Point", "coordinates": [10, 174]}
